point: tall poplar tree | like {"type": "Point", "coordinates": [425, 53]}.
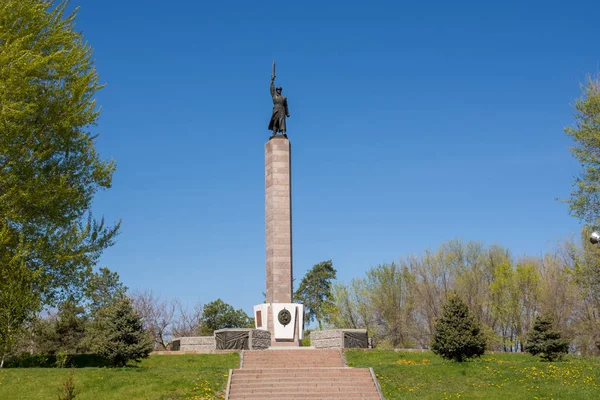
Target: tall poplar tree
{"type": "Point", "coordinates": [49, 167]}
{"type": "Point", "coordinates": [585, 196]}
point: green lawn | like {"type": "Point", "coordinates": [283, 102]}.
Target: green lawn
{"type": "Point", "coordinates": [402, 375]}
{"type": "Point", "coordinates": [412, 375]}
{"type": "Point", "coordinates": [175, 377]}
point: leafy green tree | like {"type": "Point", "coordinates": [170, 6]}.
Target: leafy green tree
{"type": "Point", "coordinates": [585, 269]}
{"type": "Point", "coordinates": [49, 168]}
{"type": "Point", "coordinates": [63, 332]}
{"type": "Point", "coordinates": [220, 315]}
{"type": "Point", "coordinates": [434, 279]}
{"type": "Point", "coordinates": [315, 291]}
{"type": "Point", "coordinates": [343, 312]}
{"type": "Point", "coordinates": [505, 303]}
{"type": "Point", "coordinates": [476, 276]}
{"type": "Point", "coordinates": [102, 292]}
{"type": "Point", "coordinates": [544, 340]}
{"type": "Point", "coordinates": [390, 289]}
{"type": "Point", "coordinates": [19, 299]}
{"type": "Point", "coordinates": [41, 335]}
{"type": "Point", "coordinates": [71, 327]}
{"type": "Point", "coordinates": [584, 202]}
{"type": "Point", "coordinates": [103, 288]}
{"type": "Point", "coordinates": [527, 292]}
{"type": "Point", "coordinates": [119, 334]}
{"type": "Point", "coordinates": [458, 335]}
{"type": "Point", "coordinates": [585, 196]}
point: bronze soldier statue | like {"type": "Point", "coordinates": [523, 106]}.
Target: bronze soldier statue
{"type": "Point", "coordinates": [280, 109]}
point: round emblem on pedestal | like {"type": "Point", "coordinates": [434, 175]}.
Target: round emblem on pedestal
{"type": "Point", "coordinates": [284, 317]}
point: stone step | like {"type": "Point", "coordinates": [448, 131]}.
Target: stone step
{"type": "Point", "coordinates": [338, 371]}
{"type": "Point", "coordinates": [290, 378]}
{"type": "Point", "coordinates": [303, 378]}
{"type": "Point", "coordinates": [280, 395]}
{"type": "Point", "coordinates": [292, 360]}
{"type": "Point", "coordinates": [304, 389]}
{"type": "Point", "coordinates": [292, 357]}
{"type": "Point", "coordinates": [289, 360]}
{"type": "Point", "coordinates": [282, 392]}
{"type": "Point", "coordinates": [294, 365]}
{"type": "Point", "coordinates": [369, 391]}
{"type": "Point", "coordinates": [300, 350]}
{"type": "Point", "coordinates": [259, 384]}
{"type": "Point", "coordinates": [291, 353]}
{"type": "Point", "coordinates": [309, 357]}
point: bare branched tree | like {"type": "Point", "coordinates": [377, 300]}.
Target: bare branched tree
{"type": "Point", "coordinates": [158, 316]}
{"type": "Point", "coordinates": [187, 322]}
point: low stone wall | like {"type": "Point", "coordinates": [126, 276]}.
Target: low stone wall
{"type": "Point", "coordinates": [340, 338]}
{"type": "Point", "coordinates": [242, 339]}
{"type": "Point", "coordinates": [194, 343]}
{"type": "Point", "coordinates": [261, 339]}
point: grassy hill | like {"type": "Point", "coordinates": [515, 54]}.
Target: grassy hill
{"type": "Point", "coordinates": [159, 377]}
{"type": "Point", "coordinates": [402, 375]}
{"type": "Point", "coordinates": [412, 375]}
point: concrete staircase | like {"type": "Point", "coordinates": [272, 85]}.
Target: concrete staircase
{"type": "Point", "coordinates": [299, 374]}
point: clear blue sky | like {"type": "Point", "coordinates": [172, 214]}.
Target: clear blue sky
{"type": "Point", "coordinates": [412, 123]}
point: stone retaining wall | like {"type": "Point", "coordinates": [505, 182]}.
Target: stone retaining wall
{"type": "Point", "coordinates": [331, 339]}
{"type": "Point", "coordinates": [261, 339]}
{"type": "Point", "coordinates": [194, 343]}
{"type": "Point", "coordinates": [242, 339]}
{"type": "Point", "coordinates": [339, 338]}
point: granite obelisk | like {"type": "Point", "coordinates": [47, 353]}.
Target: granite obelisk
{"type": "Point", "coordinates": [278, 212]}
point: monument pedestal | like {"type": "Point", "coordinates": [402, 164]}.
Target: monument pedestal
{"type": "Point", "coordinates": [285, 322]}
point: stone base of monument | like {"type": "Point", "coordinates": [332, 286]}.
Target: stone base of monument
{"type": "Point", "coordinates": [340, 338]}
{"type": "Point", "coordinates": [242, 339]}
{"type": "Point", "coordinates": [285, 321]}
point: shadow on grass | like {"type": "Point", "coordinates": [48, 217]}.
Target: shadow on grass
{"type": "Point", "coordinates": [26, 360]}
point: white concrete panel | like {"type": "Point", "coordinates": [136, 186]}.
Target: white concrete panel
{"type": "Point", "coordinates": [287, 331]}
{"type": "Point", "coordinates": [264, 310]}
